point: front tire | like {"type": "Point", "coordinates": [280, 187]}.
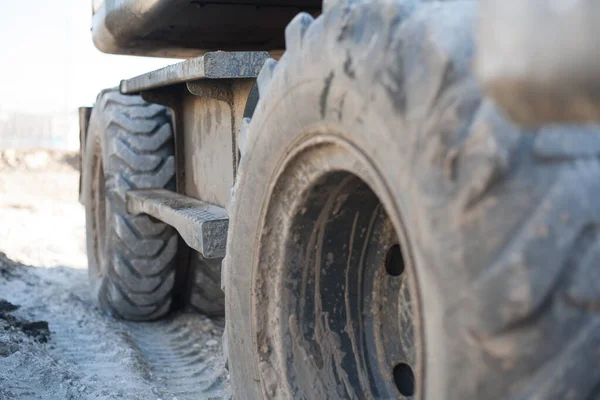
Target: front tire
{"type": "Point", "coordinates": [373, 118]}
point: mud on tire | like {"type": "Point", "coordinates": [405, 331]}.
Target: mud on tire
{"type": "Point", "coordinates": [501, 224]}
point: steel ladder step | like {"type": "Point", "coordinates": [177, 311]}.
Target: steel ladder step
{"type": "Point", "coordinates": [202, 226]}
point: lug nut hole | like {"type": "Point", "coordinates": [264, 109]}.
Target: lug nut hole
{"type": "Point", "coordinates": [404, 379]}
{"type": "Point", "coordinates": [394, 262]}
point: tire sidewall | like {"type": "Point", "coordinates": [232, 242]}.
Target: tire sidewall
{"type": "Point", "coordinates": [97, 145]}
{"type": "Point", "coordinates": [93, 149]}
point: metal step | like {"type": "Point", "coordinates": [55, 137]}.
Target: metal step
{"type": "Point", "coordinates": [203, 226]}
{"type": "Point", "coordinates": [212, 65]}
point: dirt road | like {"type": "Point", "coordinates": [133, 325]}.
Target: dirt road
{"type": "Point", "coordinates": [54, 344]}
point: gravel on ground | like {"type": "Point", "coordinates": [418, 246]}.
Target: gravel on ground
{"type": "Point", "coordinates": [54, 343]}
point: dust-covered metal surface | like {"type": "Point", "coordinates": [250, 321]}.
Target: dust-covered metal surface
{"type": "Point", "coordinates": [211, 115]}
{"type": "Point", "coordinates": [206, 114]}
{"type": "Point", "coordinates": [208, 98]}
{"type": "Point", "coordinates": [213, 65]}
{"type": "Point", "coordinates": [203, 226]}
{"type": "Point", "coordinates": [187, 28]}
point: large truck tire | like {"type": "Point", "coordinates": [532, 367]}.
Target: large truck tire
{"type": "Point", "coordinates": [392, 235]}
{"type": "Point", "coordinates": [131, 259]}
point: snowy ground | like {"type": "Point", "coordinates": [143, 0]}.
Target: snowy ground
{"type": "Point", "coordinates": [54, 344]}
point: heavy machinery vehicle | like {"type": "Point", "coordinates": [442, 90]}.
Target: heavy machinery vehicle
{"type": "Point", "coordinates": [379, 227]}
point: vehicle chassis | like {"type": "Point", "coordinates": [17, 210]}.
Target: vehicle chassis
{"type": "Point", "coordinates": [208, 96]}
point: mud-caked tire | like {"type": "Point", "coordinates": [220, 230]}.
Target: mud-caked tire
{"type": "Point", "coordinates": [131, 259]}
{"type": "Point", "coordinates": [498, 227]}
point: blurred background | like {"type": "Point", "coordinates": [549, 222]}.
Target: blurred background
{"type": "Point", "coordinates": [49, 67]}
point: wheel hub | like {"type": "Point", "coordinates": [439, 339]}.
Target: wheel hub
{"type": "Point", "coordinates": [343, 322]}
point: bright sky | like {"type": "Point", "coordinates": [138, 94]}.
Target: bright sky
{"type": "Point", "coordinates": [48, 62]}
